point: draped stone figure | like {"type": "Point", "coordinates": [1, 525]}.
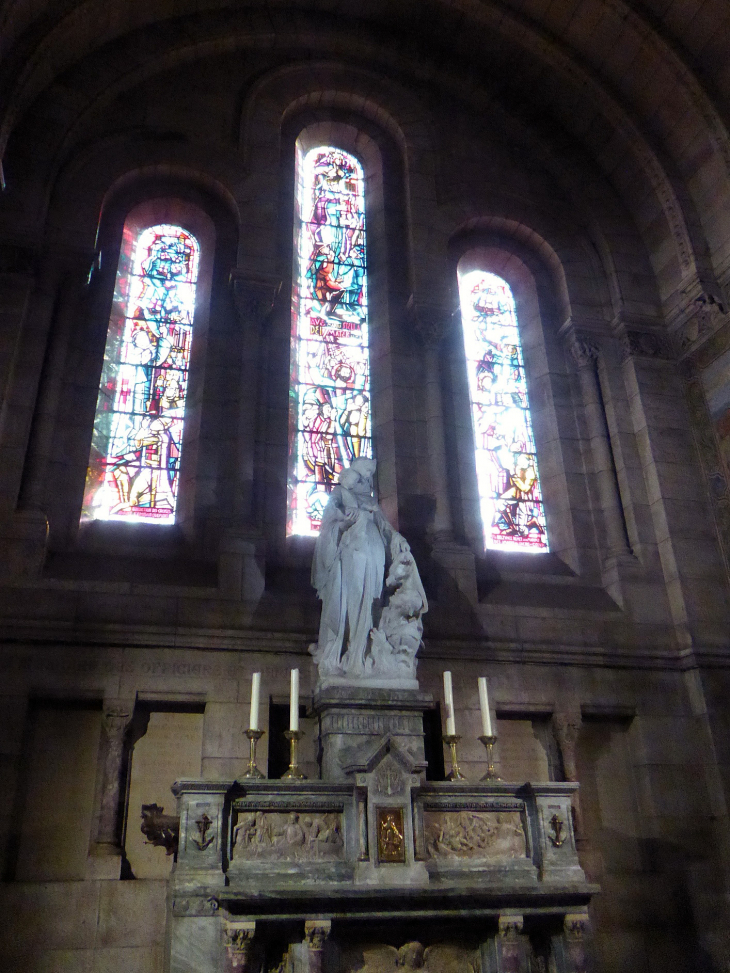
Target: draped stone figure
{"type": "Point", "coordinates": [368, 631]}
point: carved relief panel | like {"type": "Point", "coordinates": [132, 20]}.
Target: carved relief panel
{"type": "Point", "coordinates": [474, 834]}
{"type": "Point", "coordinates": [287, 835]}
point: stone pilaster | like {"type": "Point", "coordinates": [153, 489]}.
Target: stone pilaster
{"type": "Point", "coordinates": [114, 724]}
{"type": "Point", "coordinates": [585, 352]}
{"type": "Point", "coordinates": [432, 324]}
{"type": "Point", "coordinates": [566, 727]}
{"type": "Point", "coordinates": [509, 951]}
{"type": "Point", "coordinates": [577, 955]}
{"type": "Point", "coordinates": [241, 569]}
{"type": "Point", "coordinates": [115, 720]}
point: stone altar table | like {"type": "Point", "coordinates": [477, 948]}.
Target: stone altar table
{"type": "Point", "coordinates": [338, 876]}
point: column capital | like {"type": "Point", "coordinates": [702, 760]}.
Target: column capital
{"type": "Point", "coordinates": [511, 926]}
{"type": "Point", "coordinates": [116, 715]}
{"type": "Point", "coordinates": [254, 295]}
{"type": "Point", "coordinates": [576, 925]}
{"type": "Point", "coordinates": [584, 348]}
{"type": "Point", "coordinates": [316, 932]}
{"type": "Point", "coordinates": [431, 322]}
{"type": "Point", "coordinates": [238, 938]}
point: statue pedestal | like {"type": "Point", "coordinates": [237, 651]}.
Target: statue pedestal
{"type": "Point", "coordinates": [355, 719]}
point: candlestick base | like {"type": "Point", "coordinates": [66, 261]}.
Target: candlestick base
{"type": "Point", "coordinates": [454, 774]}
{"type": "Point", "coordinates": [489, 742]}
{"type": "Point", "coordinates": [252, 771]}
{"type": "Point", "coordinates": [294, 773]}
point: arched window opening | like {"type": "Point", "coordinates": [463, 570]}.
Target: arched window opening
{"type": "Point", "coordinates": [510, 498]}
{"type": "Point", "coordinates": [330, 418]}
{"type": "Point", "coordinates": [134, 466]}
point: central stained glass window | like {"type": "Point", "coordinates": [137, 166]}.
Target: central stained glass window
{"type": "Point", "coordinates": [329, 412]}
{"type": "Point", "coordinates": [510, 499]}
{"type": "Point", "coordinates": [135, 450]}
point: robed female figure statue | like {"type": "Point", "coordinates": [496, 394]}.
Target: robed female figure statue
{"type": "Point", "coordinates": [354, 544]}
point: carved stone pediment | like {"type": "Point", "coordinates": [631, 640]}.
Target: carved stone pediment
{"type": "Point", "coordinates": [365, 760]}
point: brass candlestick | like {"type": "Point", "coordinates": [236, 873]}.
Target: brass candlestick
{"type": "Point", "coordinates": [252, 771]}
{"type": "Point", "coordinates": [489, 742]}
{"type": "Point", "coordinates": [294, 773]}
{"type": "Point", "coordinates": [454, 774]}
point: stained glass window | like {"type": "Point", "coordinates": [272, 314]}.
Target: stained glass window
{"type": "Point", "coordinates": [510, 498]}
{"type": "Point", "coordinates": [330, 371]}
{"type": "Point", "coordinates": [135, 451]}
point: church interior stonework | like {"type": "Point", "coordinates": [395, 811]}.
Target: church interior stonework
{"type": "Point", "coordinates": [365, 486]}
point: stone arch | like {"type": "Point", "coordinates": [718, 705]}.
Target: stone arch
{"type": "Point", "coordinates": [279, 95]}
{"type": "Point", "coordinates": [532, 268]}
{"type": "Point", "coordinates": [97, 173]}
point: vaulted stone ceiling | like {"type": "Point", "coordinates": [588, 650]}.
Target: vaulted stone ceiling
{"type": "Point", "coordinates": [639, 92]}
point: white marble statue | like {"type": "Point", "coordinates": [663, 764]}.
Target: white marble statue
{"type": "Point", "coordinates": [368, 631]}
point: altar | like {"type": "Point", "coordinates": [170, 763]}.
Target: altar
{"type": "Point", "coordinates": [372, 868]}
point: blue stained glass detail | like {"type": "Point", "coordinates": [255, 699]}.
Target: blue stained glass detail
{"type": "Point", "coordinates": [510, 499]}
{"type": "Point", "coordinates": [330, 422]}
{"type": "Point", "coordinates": [137, 441]}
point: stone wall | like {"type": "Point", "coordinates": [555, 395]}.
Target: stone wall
{"type": "Point", "coordinates": [578, 150]}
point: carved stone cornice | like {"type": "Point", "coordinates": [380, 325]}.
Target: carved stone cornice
{"type": "Point", "coordinates": [431, 322]}
{"type": "Point", "coordinates": [254, 295]}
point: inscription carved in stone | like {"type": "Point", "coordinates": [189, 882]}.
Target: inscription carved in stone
{"type": "Point", "coordinates": [474, 834]}
{"type": "Point", "coordinates": [365, 723]}
{"type": "Point", "coordinates": [288, 836]}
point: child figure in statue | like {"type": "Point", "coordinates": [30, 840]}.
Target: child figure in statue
{"type": "Point", "coordinates": [350, 554]}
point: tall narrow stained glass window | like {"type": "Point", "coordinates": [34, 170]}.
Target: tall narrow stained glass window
{"type": "Point", "coordinates": [330, 371]}
{"type": "Point", "coordinates": [135, 450]}
{"type": "Point", "coordinates": [510, 498]}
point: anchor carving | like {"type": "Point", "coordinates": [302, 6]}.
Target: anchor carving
{"type": "Point", "coordinates": [557, 838]}
{"type": "Point", "coordinates": [203, 825]}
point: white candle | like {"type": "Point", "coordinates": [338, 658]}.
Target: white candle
{"type": "Point", "coordinates": [253, 715]}
{"type": "Point", "coordinates": [294, 701]}
{"type": "Point", "coordinates": [449, 701]}
{"type": "Point", "coordinates": [484, 704]}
